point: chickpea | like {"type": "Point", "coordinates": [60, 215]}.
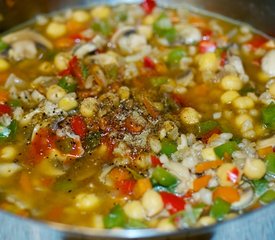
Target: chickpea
{"type": "Point", "coordinates": [241, 119]}
{"type": "Point", "coordinates": [229, 96]}
{"type": "Point", "coordinates": [152, 202]}
{"type": "Point", "coordinates": [243, 102]}
{"type": "Point", "coordinates": [224, 173]}
{"type": "Point", "coordinates": [85, 201]}
{"type": "Point", "coordinates": [189, 115]}
{"type": "Point", "coordinates": [231, 82]}
{"type": "Point", "coordinates": [134, 209]}
{"type": "Point", "coordinates": [254, 169]}
{"type": "Point", "coordinates": [56, 30]}
{"type": "Point", "coordinates": [61, 61]}
{"type": "Point", "coordinates": [80, 16]}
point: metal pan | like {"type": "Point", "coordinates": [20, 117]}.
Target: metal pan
{"type": "Point", "coordinates": [259, 224]}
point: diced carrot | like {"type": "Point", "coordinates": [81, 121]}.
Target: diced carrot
{"type": "Point", "coordinates": [25, 183]}
{"type": "Point", "coordinates": [201, 167]}
{"type": "Point", "coordinates": [197, 21]}
{"type": "Point", "coordinates": [74, 27]}
{"type": "Point", "coordinates": [55, 213]}
{"type": "Point", "coordinates": [3, 77]}
{"type": "Point", "coordinates": [150, 108]}
{"type": "Point", "coordinates": [118, 174]}
{"type": "Point", "coordinates": [4, 95]}
{"type": "Point", "coordinates": [228, 194]}
{"type": "Point", "coordinates": [64, 42]}
{"type": "Point", "coordinates": [201, 182]}
{"type": "Point", "coordinates": [213, 137]}
{"type": "Point", "coordinates": [142, 185]}
{"type": "Point", "coordinates": [264, 151]}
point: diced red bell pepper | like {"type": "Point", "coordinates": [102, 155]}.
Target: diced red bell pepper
{"type": "Point", "coordinates": [180, 100]}
{"type": "Point", "coordinates": [155, 161]}
{"type": "Point", "coordinates": [5, 109]}
{"type": "Point", "coordinates": [148, 6]}
{"type": "Point", "coordinates": [233, 175]}
{"type": "Point", "coordinates": [257, 41]}
{"type": "Point", "coordinates": [149, 63]}
{"type": "Point", "coordinates": [78, 126]}
{"type": "Point", "coordinates": [206, 46]}
{"type": "Point", "coordinates": [172, 202]}
{"type": "Point", "coordinates": [206, 34]}
{"type": "Point", "coordinates": [42, 143]}
{"type": "Point", "coordinates": [74, 69]}
{"type": "Point", "coordinates": [126, 187]}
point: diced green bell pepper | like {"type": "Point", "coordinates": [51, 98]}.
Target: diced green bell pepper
{"type": "Point", "coordinates": [135, 224]}
{"type": "Point", "coordinates": [115, 218]}
{"type": "Point", "coordinates": [163, 177]}
{"type": "Point", "coordinates": [158, 81]}
{"type": "Point", "coordinates": [68, 84]}
{"type": "Point", "coordinates": [13, 129]}
{"type": "Point", "coordinates": [228, 147]}
{"type": "Point", "coordinates": [268, 116]}
{"type": "Point", "coordinates": [3, 46]}
{"type": "Point", "coordinates": [164, 28]}
{"type": "Point", "coordinates": [64, 185]}
{"type": "Point", "coordinates": [268, 196]}
{"type": "Point", "coordinates": [219, 209]}
{"type": "Point", "coordinates": [65, 145]}
{"type": "Point", "coordinates": [168, 147]}
{"type": "Point", "coordinates": [102, 27]}
{"type": "Point", "coordinates": [14, 103]}
{"type": "Point", "coordinates": [205, 127]}
{"type": "Point", "coordinates": [270, 164]}
{"type": "Point", "coordinates": [175, 56]}
{"type": "Point", "coordinates": [92, 141]}
{"type": "Point", "coordinates": [260, 186]}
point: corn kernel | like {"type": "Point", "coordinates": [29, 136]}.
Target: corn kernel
{"type": "Point", "coordinates": [85, 201]}
{"type": "Point", "coordinates": [149, 20]}
{"type": "Point", "coordinates": [8, 153]}
{"type": "Point", "coordinates": [208, 62]}
{"type": "Point", "coordinates": [55, 93]}
{"type": "Point", "coordinates": [134, 209]}
{"type": "Point", "coordinates": [88, 107]}
{"type": "Point", "coordinates": [67, 103]}
{"type": "Point", "coordinates": [254, 169]}
{"type": "Point", "coordinates": [4, 65]}
{"type": "Point", "coordinates": [124, 93]}
{"type": "Point", "coordinates": [80, 16]}
{"type": "Point", "coordinates": [231, 82]}
{"type": "Point", "coordinates": [189, 116]}
{"type": "Point", "coordinates": [97, 221]}
{"type": "Point", "coordinates": [263, 77]}
{"type": "Point", "coordinates": [208, 154]}
{"type": "Point", "coordinates": [56, 30]}
{"type": "Point", "coordinates": [101, 12]}
{"type": "Point", "coordinates": [243, 102]}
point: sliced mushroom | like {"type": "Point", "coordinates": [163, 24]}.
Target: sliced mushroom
{"type": "Point", "coordinates": [85, 49]}
{"type": "Point", "coordinates": [27, 34]}
{"type": "Point", "coordinates": [124, 31]}
{"type": "Point", "coordinates": [23, 49]}
{"type": "Point", "coordinates": [268, 63]}
{"type": "Point", "coordinates": [186, 78]}
{"type": "Point", "coordinates": [247, 198]}
{"type": "Point", "coordinates": [266, 142]}
{"type": "Point", "coordinates": [14, 81]}
{"type": "Point", "coordinates": [188, 34]}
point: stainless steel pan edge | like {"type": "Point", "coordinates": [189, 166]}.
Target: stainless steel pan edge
{"type": "Point", "coordinates": [259, 224]}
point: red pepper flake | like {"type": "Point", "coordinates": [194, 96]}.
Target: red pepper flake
{"type": "Point", "coordinates": [172, 203]}
{"type": "Point", "coordinates": [233, 175]}
{"type": "Point", "coordinates": [78, 126]}
{"type": "Point", "coordinates": [206, 46]}
{"type": "Point", "coordinates": [148, 6]}
{"type": "Point", "coordinates": [155, 161]}
{"type": "Point", "coordinates": [5, 109]}
{"type": "Point", "coordinates": [149, 63]}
